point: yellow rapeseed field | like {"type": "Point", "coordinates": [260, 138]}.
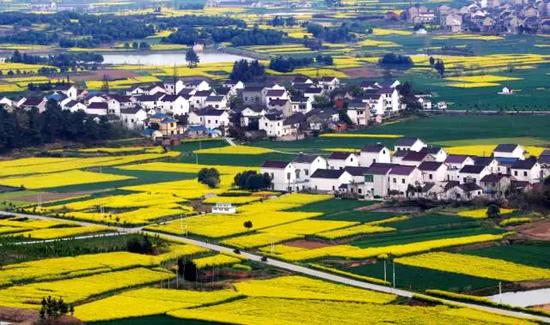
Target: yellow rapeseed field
{"type": "Point", "coordinates": [299, 287]}
{"type": "Point", "coordinates": [481, 213]}
{"type": "Point", "coordinates": [262, 215]}
{"type": "Point", "coordinates": [355, 230]}
{"type": "Point", "coordinates": [348, 251]}
{"type": "Point", "coordinates": [50, 165]}
{"type": "Point", "coordinates": [237, 200]}
{"type": "Point", "coordinates": [151, 301]}
{"type": "Point", "coordinates": [259, 239]}
{"type": "Point", "coordinates": [78, 289]}
{"type": "Point", "coordinates": [70, 177]}
{"type": "Point", "coordinates": [215, 261]}
{"type": "Point", "coordinates": [486, 150]}
{"type": "Point", "coordinates": [476, 266]}
{"type": "Point", "coordinates": [259, 310]}
{"type": "Point", "coordinates": [50, 233]}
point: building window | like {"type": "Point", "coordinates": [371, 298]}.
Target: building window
{"type": "Point", "coordinates": [524, 173]}
{"type": "Point", "coordinates": [394, 180]}
{"type": "Point", "coordinates": [431, 176]}
{"type": "Point", "coordinates": [288, 176]}
{"type": "Point", "coordinates": [515, 173]}
{"type": "Point", "coordinates": [403, 181]}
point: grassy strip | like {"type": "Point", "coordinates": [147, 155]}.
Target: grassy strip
{"type": "Point", "coordinates": [348, 274]}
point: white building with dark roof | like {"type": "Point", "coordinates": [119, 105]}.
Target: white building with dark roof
{"type": "Point", "coordinates": [339, 160]}
{"type": "Point", "coordinates": [329, 180]}
{"type": "Point", "coordinates": [374, 153]}
{"type": "Point", "coordinates": [282, 173]}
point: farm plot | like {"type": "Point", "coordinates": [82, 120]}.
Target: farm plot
{"type": "Point", "coordinates": [476, 266]}
{"type": "Point", "coordinates": [71, 177]}
{"type": "Point", "coordinates": [88, 264]}
{"type": "Point", "coordinates": [421, 279]}
{"type": "Point", "coordinates": [261, 214]}
{"type": "Point", "coordinates": [78, 289]}
{"type": "Point", "coordinates": [152, 301]}
{"type": "Point", "coordinates": [264, 310]}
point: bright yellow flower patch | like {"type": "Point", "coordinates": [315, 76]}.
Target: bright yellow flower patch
{"type": "Point", "coordinates": [348, 251]}
{"type": "Point", "coordinates": [72, 177]}
{"type": "Point", "coordinates": [77, 289]}
{"type": "Point", "coordinates": [481, 213]}
{"type": "Point", "coordinates": [356, 230]}
{"type": "Point", "coordinates": [298, 311]}
{"type": "Point", "coordinates": [215, 260]}
{"type": "Point", "coordinates": [151, 301]}
{"type": "Point", "coordinates": [476, 266]}
{"type": "Point", "coordinates": [299, 287]}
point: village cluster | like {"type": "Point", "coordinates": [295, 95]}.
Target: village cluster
{"type": "Point", "coordinates": [195, 108]}
{"type": "Point", "coordinates": [486, 16]}
{"type": "Point", "coordinates": [413, 169]}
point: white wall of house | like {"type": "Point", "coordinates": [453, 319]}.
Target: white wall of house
{"type": "Point", "coordinates": [532, 175]}
{"type": "Point", "coordinates": [517, 153]}
{"type": "Point", "coordinates": [134, 121]}
{"type": "Point", "coordinates": [209, 121]}
{"type": "Point", "coordinates": [437, 176]}
{"type": "Point", "coordinates": [180, 106]}
{"type": "Point", "coordinates": [400, 183]}
{"type": "Point", "coordinates": [376, 185]}
{"type": "Point", "coordinates": [351, 160]}
{"type": "Point", "coordinates": [273, 128]}
{"type": "Point", "coordinates": [368, 158]}
{"type": "Point", "coordinates": [472, 178]}
{"type": "Point", "coordinates": [329, 184]}
{"type": "Point", "coordinates": [305, 170]}
{"type": "Point", "coordinates": [283, 179]}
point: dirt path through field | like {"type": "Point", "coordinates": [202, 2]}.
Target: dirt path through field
{"type": "Point", "coordinates": [539, 230]}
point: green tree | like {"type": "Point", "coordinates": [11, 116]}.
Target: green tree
{"type": "Point", "coordinates": [493, 211]}
{"type": "Point", "coordinates": [209, 176]}
{"type": "Point", "coordinates": [192, 58]}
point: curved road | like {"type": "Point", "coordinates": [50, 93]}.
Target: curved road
{"type": "Point", "coordinates": [286, 266]}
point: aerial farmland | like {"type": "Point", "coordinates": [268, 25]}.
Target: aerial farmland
{"type": "Point", "coordinates": [266, 162]}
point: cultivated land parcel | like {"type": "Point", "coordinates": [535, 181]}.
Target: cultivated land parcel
{"type": "Point", "coordinates": [353, 239]}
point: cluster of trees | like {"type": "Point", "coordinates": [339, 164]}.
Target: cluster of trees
{"type": "Point", "coordinates": [90, 30]}
{"type": "Point", "coordinates": [338, 34]}
{"type": "Point", "coordinates": [396, 60]}
{"type": "Point", "coordinates": [237, 36]}
{"type": "Point", "coordinates": [258, 36]}
{"type": "Point", "coordinates": [209, 176]}
{"type": "Point", "coordinates": [246, 71]}
{"type": "Point", "coordinates": [21, 128]}
{"type": "Point", "coordinates": [288, 64]}
{"type": "Point", "coordinates": [140, 245]}
{"type": "Point", "coordinates": [281, 21]}
{"type": "Point", "coordinates": [52, 308]}
{"type": "Point", "coordinates": [63, 61]}
{"type": "Point", "coordinates": [251, 180]}
{"type": "Point", "coordinates": [438, 65]}
{"type": "Point", "coordinates": [197, 21]}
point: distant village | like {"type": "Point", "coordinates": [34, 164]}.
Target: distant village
{"type": "Point", "coordinates": [173, 110]}
{"type": "Point", "coordinates": [484, 16]}
{"type": "Point", "coordinates": [413, 170]}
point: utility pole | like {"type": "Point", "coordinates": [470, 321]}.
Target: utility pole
{"type": "Point", "coordinates": [385, 270]}
{"type": "Point", "coordinates": [393, 263]}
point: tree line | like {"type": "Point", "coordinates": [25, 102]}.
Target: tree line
{"type": "Point", "coordinates": [288, 64]}
{"type": "Point", "coordinates": [236, 36]}
{"type": "Point", "coordinates": [64, 61]}
{"type": "Point", "coordinates": [25, 128]}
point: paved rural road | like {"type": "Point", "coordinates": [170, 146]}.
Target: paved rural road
{"type": "Point", "coordinates": [285, 266]}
